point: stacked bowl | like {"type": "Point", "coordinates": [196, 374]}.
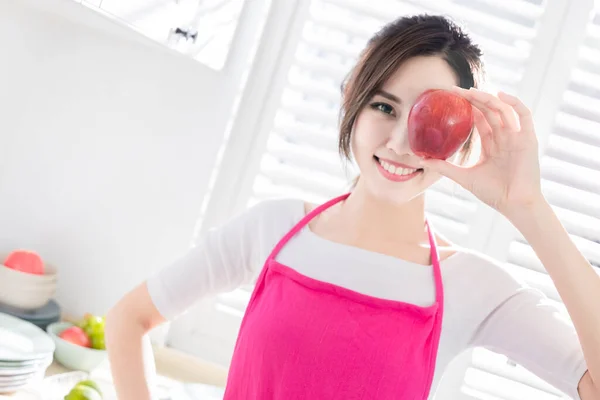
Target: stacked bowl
{"type": "Point", "coordinates": [26, 291]}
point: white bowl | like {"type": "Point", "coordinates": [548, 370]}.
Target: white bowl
{"type": "Point", "coordinates": [26, 291]}
{"type": "Point", "coordinates": [71, 355]}
{"type": "Point", "coordinates": [25, 299]}
{"type": "Point", "coordinates": [26, 278]}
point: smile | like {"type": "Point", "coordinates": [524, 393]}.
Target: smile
{"type": "Point", "coordinates": [396, 172]}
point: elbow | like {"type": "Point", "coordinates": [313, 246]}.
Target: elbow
{"type": "Point", "coordinates": [133, 315]}
{"type": "Point", "coordinates": [121, 322]}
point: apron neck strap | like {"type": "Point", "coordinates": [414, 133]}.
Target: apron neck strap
{"type": "Point", "coordinates": [304, 221]}
{"type": "Point", "coordinates": [434, 253]}
{"type": "Point", "coordinates": [435, 262]}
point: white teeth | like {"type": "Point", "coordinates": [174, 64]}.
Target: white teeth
{"type": "Point", "coordinates": [405, 171]}
{"type": "Point", "coordinates": [386, 166]}
{"type": "Point", "coordinates": [396, 170]}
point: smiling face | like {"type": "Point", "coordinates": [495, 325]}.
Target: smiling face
{"type": "Point", "coordinates": [389, 170]}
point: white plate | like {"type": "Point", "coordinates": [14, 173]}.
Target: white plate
{"type": "Point", "coordinates": [36, 377]}
{"type": "Point", "coordinates": [26, 363]}
{"type": "Point", "coordinates": [13, 388]}
{"type": "Point", "coordinates": [20, 377]}
{"type": "Point", "coordinates": [21, 340]}
{"type": "Point", "coordinates": [40, 366]}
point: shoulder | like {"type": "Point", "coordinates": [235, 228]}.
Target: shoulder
{"type": "Point", "coordinates": [262, 223]}
{"type": "Point", "coordinates": [479, 264]}
{"type": "Point", "coordinates": [478, 276]}
{"type": "Point", "coordinates": [277, 212]}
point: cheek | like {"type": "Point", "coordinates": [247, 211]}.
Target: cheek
{"type": "Point", "coordinates": [369, 134]}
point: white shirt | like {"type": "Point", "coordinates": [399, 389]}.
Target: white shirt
{"type": "Point", "coordinates": [484, 305]}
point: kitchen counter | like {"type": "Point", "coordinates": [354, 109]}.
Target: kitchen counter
{"type": "Point", "coordinates": [171, 364]}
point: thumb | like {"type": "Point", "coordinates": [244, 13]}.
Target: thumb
{"type": "Point", "coordinates": [457, 173]}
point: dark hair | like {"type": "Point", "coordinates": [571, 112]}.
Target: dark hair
{"type": "Point", "coordinates": [396, 42]}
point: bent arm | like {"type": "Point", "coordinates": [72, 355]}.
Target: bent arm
{"type": "Point", "coordinates": [126, 324]}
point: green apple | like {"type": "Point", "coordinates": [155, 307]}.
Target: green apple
{"type": "Point", "coordinates": [90, 383]}
{"type": "Point", "coordinates": [94, 325]}
{"type": "Point", "coordinates": [83, 393]}
{"type": "Point", "coordinates": [98, 342]}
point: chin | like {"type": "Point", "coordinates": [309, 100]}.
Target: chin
{"type": "Point", "coordinates": [380, 184]}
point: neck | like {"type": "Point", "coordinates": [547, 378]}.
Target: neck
{"type": "Point", "coordinates": [372, 217]}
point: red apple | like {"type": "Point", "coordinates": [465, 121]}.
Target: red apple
{"type": "Point", "coordinates": [25, 261]}
{"type": "Point", "coordinates": [75, 335]}
{"type": "Point", "coordinates": [439, 123]}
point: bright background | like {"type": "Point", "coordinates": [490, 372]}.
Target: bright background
{"type": "Point", "coordinates": [122, 141]}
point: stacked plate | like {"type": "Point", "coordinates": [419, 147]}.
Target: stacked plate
{"type": "Point", "coordinates": [25, 353]}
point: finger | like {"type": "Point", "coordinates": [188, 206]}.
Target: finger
{"type": "Point", "coordinates": [454, 172]}
{"type": "Point", "coordinates": [524, 113]}
{"type": "Point", "coordinates": [505, 111]}
{"type": "Point", "coordinates": [492, 117]}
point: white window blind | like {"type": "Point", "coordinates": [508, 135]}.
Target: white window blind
{"type": "Point", "coordinates": [571, 167]}
{"type": "Point", "coordinates": [301, 158]}
{"type": "Point", "coordinates": [298, 156]}
{"type": "Point", "coordinates": [571, 183]}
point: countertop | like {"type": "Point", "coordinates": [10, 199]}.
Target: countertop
{"type": "Point", "coordinates": [171, 365]}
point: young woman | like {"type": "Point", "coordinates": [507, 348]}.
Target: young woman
{"type": "Point", "coordinates": [358, 298]}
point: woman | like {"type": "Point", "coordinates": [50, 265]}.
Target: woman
{"type": "Point", "coordinates": [358, 298]}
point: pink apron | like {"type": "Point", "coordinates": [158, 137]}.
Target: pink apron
{"type": "Point", "coordinates": [304, 339]}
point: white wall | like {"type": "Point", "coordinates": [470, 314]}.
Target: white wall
{"type": "Point", "coordinates": [106, 147]}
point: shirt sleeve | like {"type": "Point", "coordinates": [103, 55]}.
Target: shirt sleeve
{"type": "Point", "coordinates": [224, 259]}
{"type": "Point", "coordinates": [532, 332]}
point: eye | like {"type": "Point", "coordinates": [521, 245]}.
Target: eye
{"type": "Point", "coordinates": [383, 107]}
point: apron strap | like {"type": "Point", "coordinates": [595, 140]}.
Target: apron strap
{"type": "Point", "coordinates": [304, 221]}
{"type": "Point", "coordinates": [434, 253]}
{"type": "Point", "coordinates": [435, 262]}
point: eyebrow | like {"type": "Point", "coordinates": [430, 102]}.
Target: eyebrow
{"type": "Point", "coordinates": [389, 96]}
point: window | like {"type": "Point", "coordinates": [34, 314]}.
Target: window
{"type": "Point", "coordinates": [529, 51]}
{"type": "Point", "coordinates": [570, 176]}
{"type": "Point", "coordinates": [201, 29]}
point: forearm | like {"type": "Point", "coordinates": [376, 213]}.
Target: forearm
{"type": "Point", "coordinates": [125, 345]}
{"type": "Point", "coordinates": [575, 279]}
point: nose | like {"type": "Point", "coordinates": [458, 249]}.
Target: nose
{"type": "Point", "coordinates": [398, 139]}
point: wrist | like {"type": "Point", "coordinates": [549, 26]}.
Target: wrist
{"type": "Point", "coordinates": [530, 214]}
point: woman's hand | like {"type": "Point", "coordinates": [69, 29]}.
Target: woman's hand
{"type": "Point", "coordinates": [507, 175]}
